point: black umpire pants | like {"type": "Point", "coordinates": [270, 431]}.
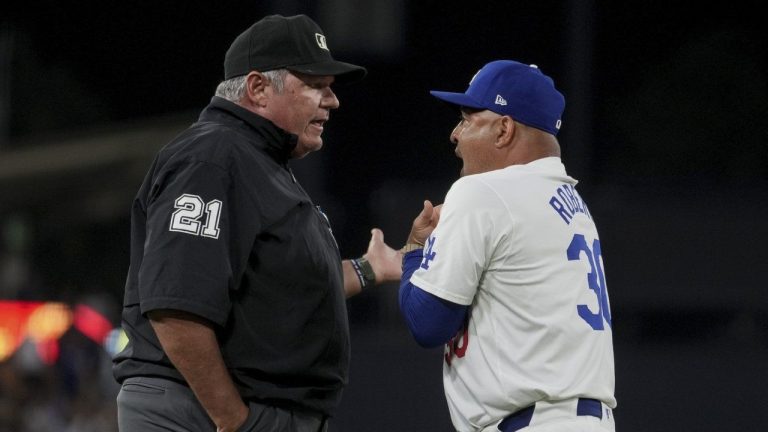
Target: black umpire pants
{"type": "Point", "coordinates": [158, 405]}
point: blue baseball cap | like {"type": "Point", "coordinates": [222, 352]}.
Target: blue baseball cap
{"type": "Point", "coordinates": [515, 89]}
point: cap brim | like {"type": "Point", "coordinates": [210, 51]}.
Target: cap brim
{"type": "Point", "coordinates": [461, 99]}
{"type": "Point", "coordinates": [345, 73]}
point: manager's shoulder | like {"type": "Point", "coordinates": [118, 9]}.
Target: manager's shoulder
{"type": "Point", "coordinates": [471, 187]}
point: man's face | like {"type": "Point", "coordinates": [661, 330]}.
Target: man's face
{"type": "Point", "coordinates": [474, 137]}
{"type": "Point", "coordinates": [303, 108]}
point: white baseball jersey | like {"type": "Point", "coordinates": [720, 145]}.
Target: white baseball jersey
{"type": "Point", "coordinates": [519, 246]}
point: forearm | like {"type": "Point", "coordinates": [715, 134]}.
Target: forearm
{"type": "Point", "coordinates": [191, 345]}
{"type": "Point", "coordinates": [432, 320]}
{"type": "Point", "coordinates": [371, 269]}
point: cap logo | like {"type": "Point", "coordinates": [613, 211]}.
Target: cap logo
{"type": "Point", "coordinates": [558, 124]}
{"type": "Point", "coordinates": [321, 41]}
{"type": "Point", "coordinates": [500, 100]}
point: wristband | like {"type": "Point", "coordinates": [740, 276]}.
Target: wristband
{"type": "Point", "coordinates": [411, 247]}
{"type": "Point", "coordinates": [364, 271]}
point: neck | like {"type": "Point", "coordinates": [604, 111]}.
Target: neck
{"type": "Point", "coordinates": [533, 145]}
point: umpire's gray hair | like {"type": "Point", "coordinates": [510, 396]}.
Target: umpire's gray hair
{"type": "Point", "coordinates": [233, 89]}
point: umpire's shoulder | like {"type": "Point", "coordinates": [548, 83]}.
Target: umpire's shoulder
{"type": "Point", "coordinates": [205, 142]}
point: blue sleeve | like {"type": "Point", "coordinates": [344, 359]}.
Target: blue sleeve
{"type": "Point", "coordinates": [432, 321]}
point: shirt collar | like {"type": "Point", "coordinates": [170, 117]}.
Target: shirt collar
{"type": "Point", "coordinates": [276, 141]}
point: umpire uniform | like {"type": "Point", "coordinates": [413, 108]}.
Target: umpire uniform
{"type": "Point", "coordinates": [222, 230]}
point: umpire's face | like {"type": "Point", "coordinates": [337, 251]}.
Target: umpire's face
{"type": "Point", "coordinates": [302, 108]}
{"type": "Point", "coordinates": [476, 138]}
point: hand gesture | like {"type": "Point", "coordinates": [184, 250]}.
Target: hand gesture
{"type": "Point", "coordinates": [424, 223]}
{"type": "Point", "coordinates": [386, 262]}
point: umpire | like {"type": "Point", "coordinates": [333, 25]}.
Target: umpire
{"type": "Point", "coordinates": [234, 302]}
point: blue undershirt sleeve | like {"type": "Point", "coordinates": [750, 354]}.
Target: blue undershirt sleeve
{"type": "Point", "coordinates": [432, 321]}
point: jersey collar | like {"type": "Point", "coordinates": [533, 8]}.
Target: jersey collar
{"type": "Point", "coordinates": [276, 141]}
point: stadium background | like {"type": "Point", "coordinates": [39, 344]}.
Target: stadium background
{"type": "Point", "coordinates": [664, 127]}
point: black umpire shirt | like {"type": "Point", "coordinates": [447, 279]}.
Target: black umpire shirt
{"type": "Point", "coordinates": [221, 229]}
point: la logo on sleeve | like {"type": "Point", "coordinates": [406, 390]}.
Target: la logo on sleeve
{"type": "Point", "coordinates": [429, 254]}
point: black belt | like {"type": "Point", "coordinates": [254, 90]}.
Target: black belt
{"type": "Point", "coordinates": [522, 418]}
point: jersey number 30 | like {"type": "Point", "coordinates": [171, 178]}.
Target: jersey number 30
{"type": "Point", "coordinates": [595, 278]}
{"type": "Point", "coordinates": [190, 209]}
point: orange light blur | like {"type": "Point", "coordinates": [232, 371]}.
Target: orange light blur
{"type": "Point", "coordinates": [44, 323]}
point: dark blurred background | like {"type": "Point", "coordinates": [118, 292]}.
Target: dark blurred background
{"type": "Point", "coordinates": [664, 127]}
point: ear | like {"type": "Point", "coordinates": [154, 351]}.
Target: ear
{"type": "Point", "coordinates": [505, 132]}
{"type": "Point", "coordinates": [255, 86]}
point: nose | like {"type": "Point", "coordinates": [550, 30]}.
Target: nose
{"type": "Point", "coordinates": [455, 134]}
{"type": "Point", "coordinates": [329, 100]}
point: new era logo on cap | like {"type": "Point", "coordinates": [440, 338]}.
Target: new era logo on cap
{"type": "Point", "coordinates": [500, 100]}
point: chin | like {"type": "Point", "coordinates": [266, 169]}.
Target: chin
{"type": "Point", "coordinates": [304, 148]}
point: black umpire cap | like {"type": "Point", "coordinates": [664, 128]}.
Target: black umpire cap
{"type": "Point", "coordinates": [295, 43]}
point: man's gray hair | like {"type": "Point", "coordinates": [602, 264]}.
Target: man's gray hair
{"type": "Point", "coordinates": [233, 89]}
